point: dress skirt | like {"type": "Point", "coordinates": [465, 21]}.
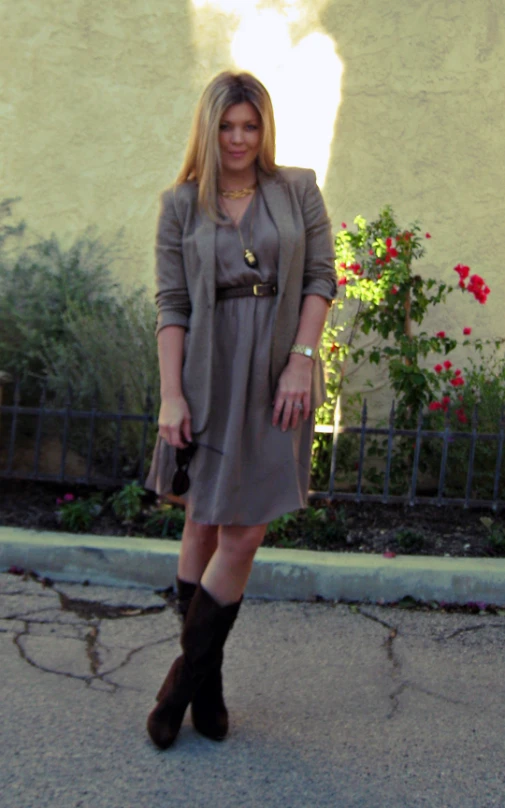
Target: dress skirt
{"type": "Point", "coordinates": [245, 471]}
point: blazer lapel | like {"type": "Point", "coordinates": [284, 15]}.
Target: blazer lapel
{"type": "Point", "coordinates": [278, 202]}
{"type": "Point", "coordinates": [205, 239]}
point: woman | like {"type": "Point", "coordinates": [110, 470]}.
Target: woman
{"type": "Point", "coordinates": [245, 275]}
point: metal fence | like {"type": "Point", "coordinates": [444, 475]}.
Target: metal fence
{"type": "Point", "coordinates": [397, 474]}
{"type": "Point", "coordinates": [68, 416]}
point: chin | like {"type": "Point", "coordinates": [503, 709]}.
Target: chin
{"type": "Point", "coordinates": [239, 165]}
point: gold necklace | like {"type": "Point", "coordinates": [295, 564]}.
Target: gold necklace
{"type": "Point", "coordinates": [240, 194]}
{"type": "Point", "coordinates": [249, 254]}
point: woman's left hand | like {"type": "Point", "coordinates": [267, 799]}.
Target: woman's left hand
{"type": "Point", "coordinates": [292, 398]}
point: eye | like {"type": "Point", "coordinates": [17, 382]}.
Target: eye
{"type": "Point", "coordinates": [252, 127]}
{"type": "Point", "coordinates": [223, 126]}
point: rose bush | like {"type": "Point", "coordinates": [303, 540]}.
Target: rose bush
{"type": "Point", "coordinates": [383, 296]}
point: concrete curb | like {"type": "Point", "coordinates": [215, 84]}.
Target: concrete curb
{"type": "Point", "coordinates": [277, 574]}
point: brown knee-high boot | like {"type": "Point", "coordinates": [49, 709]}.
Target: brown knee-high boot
{"type": "Point", "coordinates": [206, 628]}
{"type": "Point", "coordinates": [208, 709]}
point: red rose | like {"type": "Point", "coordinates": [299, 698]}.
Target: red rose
{"type": "Point", "coordinates": [342, 281]}
{"type": "Point", "coordinates": [344, 225]}
{"type": "Point", "coordinates": [463, 271]}
{"type": "Point", "coordinates": [435, 405]}
{"type": "Point", "coordinates": [394, 290]}
{"type": "Point", "coordinates": [440, 334]}
{"type": "Point", "coordinates": [461, 285]}
{"type": "Point", "coordinates": [438, 368]}
{"type": "Point", "coordinates": [447, 364]}
{"type": "Point", "coordinates": [457, 381]}
{"type": "Point", "coordinates": [457, 372]}
{"type": "Point", "coordinates": [428, 235]}
{"type": "Point", "coordinates": [467, 330]}
{"type": "Point", "coordinates": [460, 414]}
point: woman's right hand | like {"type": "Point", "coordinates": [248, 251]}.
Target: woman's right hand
{"type": "Point", "coordinates": [174, 421]}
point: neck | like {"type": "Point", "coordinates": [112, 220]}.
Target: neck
{"type": "Point", "coordinates": [236, 180]}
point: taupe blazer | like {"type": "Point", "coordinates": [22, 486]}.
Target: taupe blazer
{"type": "Point", "coordinates": [185, 275]}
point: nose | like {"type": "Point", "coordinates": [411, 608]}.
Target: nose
{"type": "Point", "coordinates": [236, 135]}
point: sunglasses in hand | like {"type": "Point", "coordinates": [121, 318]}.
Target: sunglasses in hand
{"type": "Point", "coordinates": [183, 457]}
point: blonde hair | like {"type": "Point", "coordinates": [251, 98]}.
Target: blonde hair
{"type": "Point", "coordinates": [202, 161]}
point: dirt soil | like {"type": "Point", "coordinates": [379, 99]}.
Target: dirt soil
{"type": "Point", "coordinates": [366, 528]}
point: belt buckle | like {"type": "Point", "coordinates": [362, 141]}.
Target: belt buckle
{"type": "Point", "coordinates": [258, 286]}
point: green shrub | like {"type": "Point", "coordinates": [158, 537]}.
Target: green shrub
{"type": "Point", "coordinates": [39, 288]}
{"type": "Point", "coordinates": [78, 515]}
{"type": "Point", "coordinates": [410, 541]}
{"type": "Point", "coordinates": [165, 522]}
{"type": "Point", "coordinates": [127, 503]}
{"type": "Point", "coordinates": [279, 527]}
{"type": "Point", "coordinates": [67, 325]}
{"type": "Point", "coordinates": [323, 525]}
{"type": "Point", "coordinates": [496, 535]}
{"type": "Point", "coordinates": [313, 526]}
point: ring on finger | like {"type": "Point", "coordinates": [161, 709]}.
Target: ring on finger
{"type": "Point", "coordinates": [298, 405]}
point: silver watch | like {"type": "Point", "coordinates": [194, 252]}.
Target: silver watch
{"type": "Point", "coordinates": [305, 350]}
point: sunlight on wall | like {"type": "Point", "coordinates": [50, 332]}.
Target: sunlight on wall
{"type": "Point", "coordinates": [298, 65]}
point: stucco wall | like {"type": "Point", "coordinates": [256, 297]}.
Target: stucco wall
{"type": "Point", "coordinates": [96, 101]}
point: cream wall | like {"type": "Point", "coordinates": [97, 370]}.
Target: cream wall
{"type": "Point", "coordinates": [96, 100]}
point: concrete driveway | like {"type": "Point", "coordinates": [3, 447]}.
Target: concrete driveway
{"type": "Point", "coordinates": [331, 705]}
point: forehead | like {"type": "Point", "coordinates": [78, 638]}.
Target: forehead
{"type": "Point", "coordinates": [243, 112]}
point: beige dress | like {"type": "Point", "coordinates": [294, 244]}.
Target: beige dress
{"type": "Point", "coordinates": [258, 472]}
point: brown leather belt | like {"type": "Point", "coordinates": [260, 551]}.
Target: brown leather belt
{"type": "Point", "coordinates": [257, 290]}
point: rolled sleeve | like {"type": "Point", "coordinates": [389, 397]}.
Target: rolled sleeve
{"type": "Point", "coordinates": [172, 297]}
{"type": "Point", "coordinates": [319, 277]}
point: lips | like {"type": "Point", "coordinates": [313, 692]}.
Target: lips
{"type": "Point", "coordinates": [237, 154]}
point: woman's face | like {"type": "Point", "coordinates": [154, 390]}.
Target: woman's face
{"type": "Point", "coordinates": [239, 137]}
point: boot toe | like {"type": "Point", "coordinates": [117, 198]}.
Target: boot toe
{"type": "Point", "coordinates": [164, 721]}
{"type": "Point", "coordinates": [161, 732]}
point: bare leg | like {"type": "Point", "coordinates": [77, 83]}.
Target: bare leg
{"type": "Point", "coordinates": [198, 545]}
{"type": "Point", "coordinates": [226, 575]}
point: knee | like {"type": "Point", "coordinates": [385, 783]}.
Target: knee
{"type": "Point", "coordinates": [197, 534]}
{"type": "Point", "coordinates": [240, 543]}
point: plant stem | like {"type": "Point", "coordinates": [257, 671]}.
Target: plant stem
{"type": "Point", "coordinates": [408, 323]}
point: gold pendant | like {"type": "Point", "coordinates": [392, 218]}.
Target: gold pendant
{"type": "Point", "coordinates": [250, 259]}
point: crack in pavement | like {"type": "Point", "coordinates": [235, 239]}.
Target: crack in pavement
{"type": "Point", "coordinates": [91, 641]}
{"type": "Point", "coordinates": [137, 650]}
{"type": "Point", "coordinates": [388, 644]}
{"type": "Point", "coordinates": [405, 684]}
{"type": "Point", "coordinates": [91, 613]}
{"type": "Point", "coordinates": [94, 608]}
{"type": "Point", "coordinates": [470, 628]}
{"type": "Point", "coordinates": [23, 654]}
{"type": "Point", "coordinates": [92, 650]}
